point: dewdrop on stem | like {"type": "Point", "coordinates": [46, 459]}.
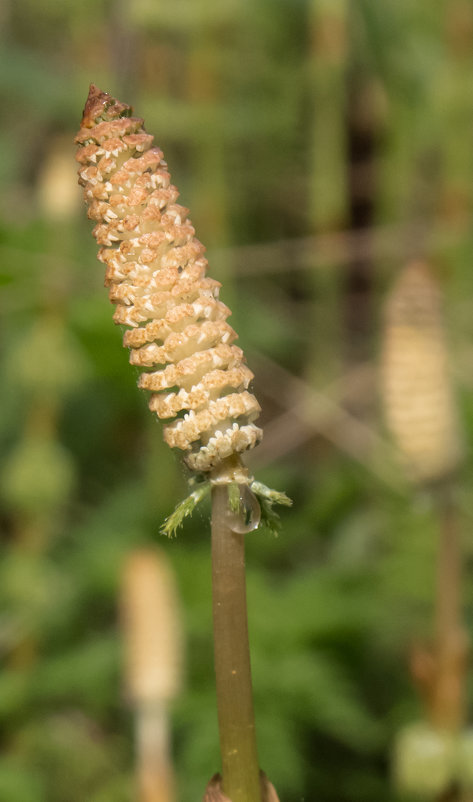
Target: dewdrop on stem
{"type": "Point", "coordinates": [245, 516]}
{"type": "Point", "coordinates": [243, 512]}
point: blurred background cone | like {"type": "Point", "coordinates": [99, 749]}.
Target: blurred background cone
{"type": "Point", "coordinates": [415, 381]}
{"type": "Point", "coordinates": [153, 662]}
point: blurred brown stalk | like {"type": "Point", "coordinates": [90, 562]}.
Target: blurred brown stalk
{"type": "Point", "coordinates": [153, 660]}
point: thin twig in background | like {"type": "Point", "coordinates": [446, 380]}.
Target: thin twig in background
{"type": "Point", "coordinates": [321, 252]}
{"type": "Point", "coordinates": [337, 249]}
{"type": "Point", "coordinates": [310, 412]}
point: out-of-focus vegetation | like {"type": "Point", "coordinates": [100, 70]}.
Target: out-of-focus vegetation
{"type": "Point", "coordinates": [320, 145]}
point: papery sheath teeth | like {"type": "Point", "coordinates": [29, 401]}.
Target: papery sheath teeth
{"type": "Point", "coordinates": [156, 274]}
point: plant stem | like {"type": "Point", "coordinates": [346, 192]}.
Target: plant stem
{"type": "Point", "coordinates": [449, 687]}
{"type": "Point", "coordinates": [155, 774]}
{"type": "Point", "coordinates": [240, 768]}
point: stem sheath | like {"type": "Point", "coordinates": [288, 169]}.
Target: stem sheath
{"type": "Point", "coordinates": [240, 768]}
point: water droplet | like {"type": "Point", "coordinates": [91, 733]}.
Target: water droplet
{"type": "Point", "coordinates": [249, 513]}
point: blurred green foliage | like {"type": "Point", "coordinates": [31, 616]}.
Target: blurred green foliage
{"type": "Point", "coordinates": [319, 145]}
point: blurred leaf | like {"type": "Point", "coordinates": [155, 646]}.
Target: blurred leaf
{"type": "Point", "coordinates": [18, 784]}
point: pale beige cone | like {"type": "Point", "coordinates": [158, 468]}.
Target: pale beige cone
{"type": "Point", "coordinates": [156, 272]}
{"type": "Point", "coordinates": [151, 628]}
{"type": "Point", "coordinates": [416, 385]}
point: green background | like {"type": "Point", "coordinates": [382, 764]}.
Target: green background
{"type": "Point", "coordinates": [319, 145]}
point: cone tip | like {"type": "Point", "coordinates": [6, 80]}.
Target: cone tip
{"type": "Point", "coordinates": [94, 106]}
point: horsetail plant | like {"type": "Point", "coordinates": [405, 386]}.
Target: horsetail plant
{"type": "Point", "coordinates": [178, 334]}
{"type": "Point", "coordinates": [420, 411]}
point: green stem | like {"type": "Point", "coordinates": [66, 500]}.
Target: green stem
{"type": "Point", "coordinates": [448, 702]}
{"type": "Point", "coordinates": [240, 768]}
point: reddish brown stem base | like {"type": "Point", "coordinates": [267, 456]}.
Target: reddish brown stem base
{"type": "Point", "coordinates": [214, 793]}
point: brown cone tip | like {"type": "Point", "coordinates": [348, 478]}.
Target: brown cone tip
{"type": "Point", "coordinates": [97, 102]}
